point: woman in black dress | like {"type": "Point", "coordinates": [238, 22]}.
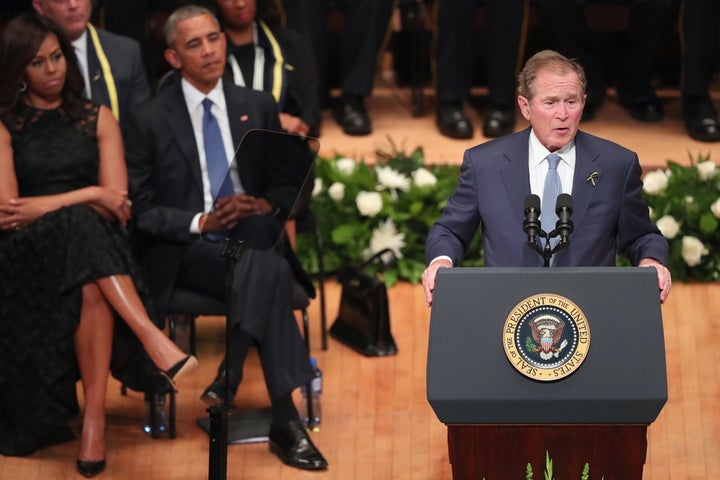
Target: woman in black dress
{"type": "Point", "coordinates": [65, 261]}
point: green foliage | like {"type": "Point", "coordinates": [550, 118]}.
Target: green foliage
{"type": "Point", "coordinates": [686, 206]}
{"type": "Point", "coordinates": [347, 233]}
{"type": "Point", "coordinates": [690, 196]}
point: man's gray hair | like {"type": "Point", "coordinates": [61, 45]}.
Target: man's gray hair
{"type": "Point", "coordinates": [547, 60]}
{"type": "Point", "coordinates": [184, 13]}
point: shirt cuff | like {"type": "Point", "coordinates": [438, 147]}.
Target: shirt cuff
{"type": "Point", "coordinates": [441, 257]}
{"type": "Point", "coordinates": [195, 224]}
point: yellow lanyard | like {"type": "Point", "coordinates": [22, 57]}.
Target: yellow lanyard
{"type": "Point", "coordinates": [107, 73]}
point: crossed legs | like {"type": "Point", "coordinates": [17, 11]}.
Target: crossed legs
{"type": "Point", "coordinates": [93, 347]}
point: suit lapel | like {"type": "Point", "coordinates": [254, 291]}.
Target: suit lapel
{"type": "Point", "coordinates": [178, 119]}
{"type": "Point", "coordinates": [515, 174]}
{"type": "Point", "coordinates": [240, 122]}
{"type": "Point", "coordinates": [98, 90]}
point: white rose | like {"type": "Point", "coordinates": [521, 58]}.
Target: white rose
{"type": "Point", "coordinates": [392, 180]}
{"type": "Point", "coordinates": [693, 250]}
{"type": "Point", "coordinates": [422, 177]}
{"type": "Point", "coordinates": [345, 165]}
{"type": "Point", "coordinates": [715, 208]}
{"type": "Point", "coordinates": [337, 191]}
{"type": "Point", "coordinates": [386, 236]}
{"type": "Point", "coordinates": [655, 182]}
{"type": "Point", "coordinates": [668, 226]}
{"type": "Point", "coordinates": [707, 170]}
{"type": "Point", "coordinates": [369, 203]}
{"type": "Point", "coordinates": [317, 187]}
{"type": "Point", "coordinates": [689, 200]}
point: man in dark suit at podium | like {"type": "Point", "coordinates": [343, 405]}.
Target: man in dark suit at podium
{"type": "Point", "coordinates": [176, 143]}
{"type": "Point", "coordinates": [609, 214]}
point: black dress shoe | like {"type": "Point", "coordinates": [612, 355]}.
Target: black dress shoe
{"type": "Point", "coordinates": [646, 108]}
{"type": "Point", "coordinates": [90, 469]}
{"type": "Point", "coordinates": [701, 119]}
{"type": "Point", "coordinates": [499, 122]}
{"type": "Point", "coordinates": [453, 122]}
{"type": "Point", "coordinates": [352, 116]}
{"type": "Point", "coordinates": [291, 442]}
{"type": "Point", "coordinates": [216, 392]}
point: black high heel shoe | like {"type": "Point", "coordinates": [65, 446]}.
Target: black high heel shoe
{"type": "Point", "coordinates": [90, 469]}
{"type": "Point", "coordinates": [183, 367]}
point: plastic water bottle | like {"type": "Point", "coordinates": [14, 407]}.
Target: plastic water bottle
{"type": "Point", "coordinates": [316, 386]}
{"type": "Point", "coordinates": [159, 410]}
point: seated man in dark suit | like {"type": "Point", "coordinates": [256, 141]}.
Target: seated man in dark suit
{"type": "Point", "coordinates": [111, 64]}
{"type": "Point", "coordinates": [176, 143]}
{"type": "Point", "coordinates": [549, 158]}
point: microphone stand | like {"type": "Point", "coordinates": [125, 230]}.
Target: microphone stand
{"type": "Point", "coordinates": [232, 253]}
{"type": "Point", "coordinates": [547, 252]}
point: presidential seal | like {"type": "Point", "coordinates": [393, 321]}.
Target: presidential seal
{"type": "Point", "coordinates": [546, 337]}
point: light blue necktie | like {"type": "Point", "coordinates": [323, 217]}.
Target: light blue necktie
{"type": "Point", "coordinates": [553, 188]}
{"type": "Point", "coordinates": [217, 165]}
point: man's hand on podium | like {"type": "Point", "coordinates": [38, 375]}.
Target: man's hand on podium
{"type": "Point", "coordinates": [429, 277]}
{"type": "Point", "coordinates": [664, 277]}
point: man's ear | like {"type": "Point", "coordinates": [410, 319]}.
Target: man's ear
{"type": "Point", "coordinates": [172, 58]}
{"type": "Point", "coordinates": [38, 6]}
{"type": "Point", "coordinates": [524, 105]}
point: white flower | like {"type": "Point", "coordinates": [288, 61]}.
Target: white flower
{"type": "Point", "coordinates": [650, 211]}
{"type": "Point", "coordinates": [668, 226]}
{"type": "Point", "coordinates": [389, 179]}
{"type": "Point", "coordinates": [655, 182]}
{"type": "Point", "coordinates": [345, 165]}
{"type": "Point", "coordinates": [689, 200]}
{"type": "Point", "coordinates": [693, 250]}
{"type": "Point", "coordinates": [337, 191]}
{"type": "Point", "coordinates": [707, 170]}
{"type": "Point", "coordinates": [385, 236]}
{"type": "Point", "coordinates": [422, 177]}
{"type": "Point", "coordinates": [317, 187]}
{"type": "Point", "coordinates": [369, 203]}
{"type": "Point", "coordinates": [715, 208]}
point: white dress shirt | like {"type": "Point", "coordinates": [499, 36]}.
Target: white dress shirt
{"type": "Point", "coordinates": [193, 100]}
{"type": "Point", "coordinates": [81, 51]}
{"type": "Point", "coordinates": [538, 165]}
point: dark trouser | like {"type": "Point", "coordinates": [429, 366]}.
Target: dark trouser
{"type": "Point", "coordinates": [261, 305]}
{"type": "Point", "coordinates": [700, 37]}
{"type": "Point", "coordinates": [366, 24]}
{"type": "Point", "coordinates": [650, 20]}
{"type": "Point", "coordinates": [455, 45]}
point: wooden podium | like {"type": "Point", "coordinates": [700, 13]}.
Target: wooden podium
{"type": "Point", "coordinates": [499, 419]}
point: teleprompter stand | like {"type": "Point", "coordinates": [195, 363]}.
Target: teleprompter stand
{"type": "Point", "coordinates": [288, 160]}
{"type": "Point", "coordinates": [499, 420]}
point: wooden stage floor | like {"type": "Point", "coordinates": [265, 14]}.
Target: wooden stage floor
{"type": "Point", "coordinates": [377, 423]}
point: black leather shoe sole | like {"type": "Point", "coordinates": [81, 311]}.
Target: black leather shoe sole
{"type": "Point", "coordinates": [90, 469]}
{"type": "Point", "coordinates": [704, 129]}
{"type": "Point", "coordinates": [499, 123]}
{"type": "Point", "coordinates": [452, 122]}
{"type": "Point", "coordinates": [292, 444]}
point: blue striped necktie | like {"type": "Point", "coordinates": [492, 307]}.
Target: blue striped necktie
{"type": "Point", "coordinates": [553, 188]}
{"type": "Point", "coordinates": [217, 164]}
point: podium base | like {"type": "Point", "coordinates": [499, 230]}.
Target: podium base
{"type": "Point", "coordinates": [500, 452]}
{"type": "Point", "coordinates": [250, 426]}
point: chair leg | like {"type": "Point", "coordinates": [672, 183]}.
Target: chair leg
{"type": "Point", "coordinates": [321, 282]}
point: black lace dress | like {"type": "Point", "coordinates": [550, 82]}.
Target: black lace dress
{"type": "Point", "coordinates": [43, 267]}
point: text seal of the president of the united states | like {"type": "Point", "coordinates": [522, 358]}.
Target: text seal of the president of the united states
{"type": "Point", "coordinates": [546, 337]}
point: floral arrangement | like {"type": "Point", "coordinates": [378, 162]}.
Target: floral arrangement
{"type": "Point", "coordinates": [362, 210]}
{"type": "Point", "coordinates": [684, 202]}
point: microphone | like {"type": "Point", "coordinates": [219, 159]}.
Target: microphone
{"type": "Point", "coordinates": [563, 208]}
{"type": "Point", "coordinates": [531, 225]}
